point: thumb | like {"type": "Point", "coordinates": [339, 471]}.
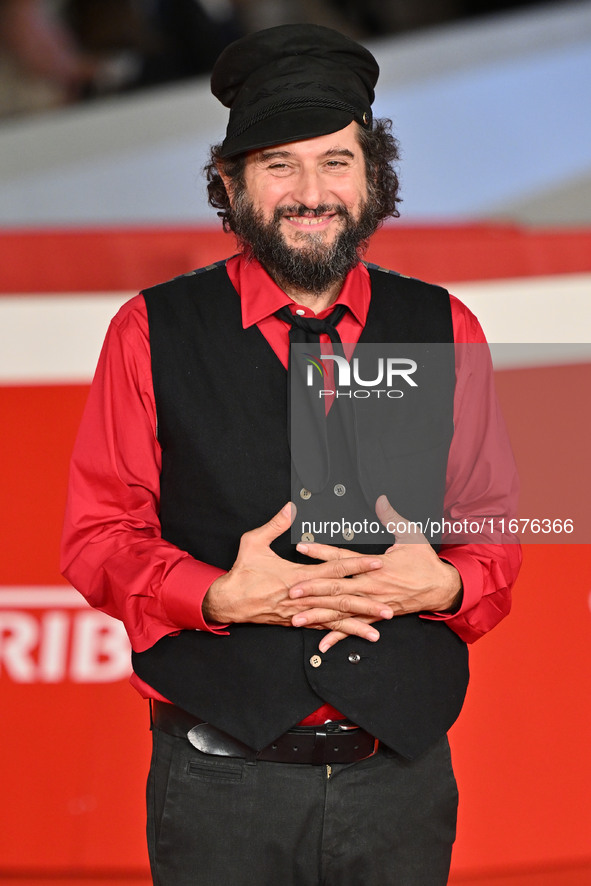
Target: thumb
{"type": "Point", "coordinates": [387, 514]}
{"type": "Point", "coordinates": [404, 530]}
{"type": "Point", "coordinates": [277, 525]}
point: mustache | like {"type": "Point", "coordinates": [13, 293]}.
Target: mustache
{"type": "Point", "coordinates": [300, 209]}
{"type": "Point", "coordinates": [314, 268]}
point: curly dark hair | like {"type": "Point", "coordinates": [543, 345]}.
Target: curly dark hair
{"type": "Point", "coordinates": [380, 150]}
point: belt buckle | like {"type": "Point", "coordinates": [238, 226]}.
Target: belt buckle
{"type": "Point", "coordinates": [336, 726]}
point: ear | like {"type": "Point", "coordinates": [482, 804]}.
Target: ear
{"type": "Point", "coordinates": [227, 183]}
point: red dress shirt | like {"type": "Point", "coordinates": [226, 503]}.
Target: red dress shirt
{"type": "Point", "coordinates": [112, 549]}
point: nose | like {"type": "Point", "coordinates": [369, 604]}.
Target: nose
{"type": "Point", "coordinates": [308, 188]}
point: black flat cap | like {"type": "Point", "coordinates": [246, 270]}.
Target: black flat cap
{"type": "Point", "coordinates": [292, 82]}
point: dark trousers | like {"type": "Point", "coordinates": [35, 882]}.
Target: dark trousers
{"type": "Point", "coordinates": [217, 821]}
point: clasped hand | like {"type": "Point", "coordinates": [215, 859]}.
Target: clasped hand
{"type": "Point", "coordinates": [345, 593]}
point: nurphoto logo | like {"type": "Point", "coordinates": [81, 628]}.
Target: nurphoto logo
{"type": "Point", "coordinates": [387, 371]}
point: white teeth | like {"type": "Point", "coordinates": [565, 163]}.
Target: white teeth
{"type": "Point", "coordinates": [306, 221]}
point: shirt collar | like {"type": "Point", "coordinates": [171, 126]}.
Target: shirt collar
{"type": "Point", "coordinates": [260, 296]}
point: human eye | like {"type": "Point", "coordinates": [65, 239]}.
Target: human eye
{"type": "Point", "coordinates": [337, 164]}
{"type": "Point", "coordinates": [278, 169]}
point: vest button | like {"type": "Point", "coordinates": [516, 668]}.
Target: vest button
{"type": "Point", "coordinates": [348, 534]}
{"type": "Point", "coordinates": [315, 661]}
{"type": "Point", "coordinates": [339, 489]}
{"type": "Point", "coordinates": [305, 494]}
{"type": "Point", "coordinates": [354, 657]}
{"type": "Point", "coordinates": [307, 536]}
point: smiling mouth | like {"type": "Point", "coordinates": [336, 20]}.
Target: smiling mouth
{"type": "Point", "coordinates": [309, 220]}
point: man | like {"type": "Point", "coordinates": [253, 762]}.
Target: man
{"type": "Point", "coordinates": [301, 694]}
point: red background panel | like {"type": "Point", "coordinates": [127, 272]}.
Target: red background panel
{"type": "Point", "coordinates": [73, 770]}
{"type": "Point", "coordinates": [39, 426]}
{"type": "Point", "coordinates": [120, 259]}
{"type": "Point", "coordinates": [75, 755]}
{"type": "Point", "coordinates": [546, 410]}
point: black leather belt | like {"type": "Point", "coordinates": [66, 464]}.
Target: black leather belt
{"type": "Point", "coordinates": [335, 742]}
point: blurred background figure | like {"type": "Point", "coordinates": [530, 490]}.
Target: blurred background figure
{"type": "Point", "coordinates": [41, 64]}
{"type": "Point", "coordinates": [53, 52]}
{"type": "Point", "coordinates": [162, 40]}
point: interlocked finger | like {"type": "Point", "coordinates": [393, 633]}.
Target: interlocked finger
{"type": "Point", "coordinates": [343, 606]}
{"type": "Point", "coordinates": [339, 622]}
{"type": "Point", "coordinates": [339, 568]}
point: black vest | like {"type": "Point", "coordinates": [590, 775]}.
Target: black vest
{"type": "Point", "coordinates": [221, 403]}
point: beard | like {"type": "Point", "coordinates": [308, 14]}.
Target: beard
{"type": "Point", "coordinates": [314, 266]}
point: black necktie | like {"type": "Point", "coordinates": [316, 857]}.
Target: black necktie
{"type": "Point", "coordinates": [307, 330]}
{"type": "Point", "coordinates": [306, 416]}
